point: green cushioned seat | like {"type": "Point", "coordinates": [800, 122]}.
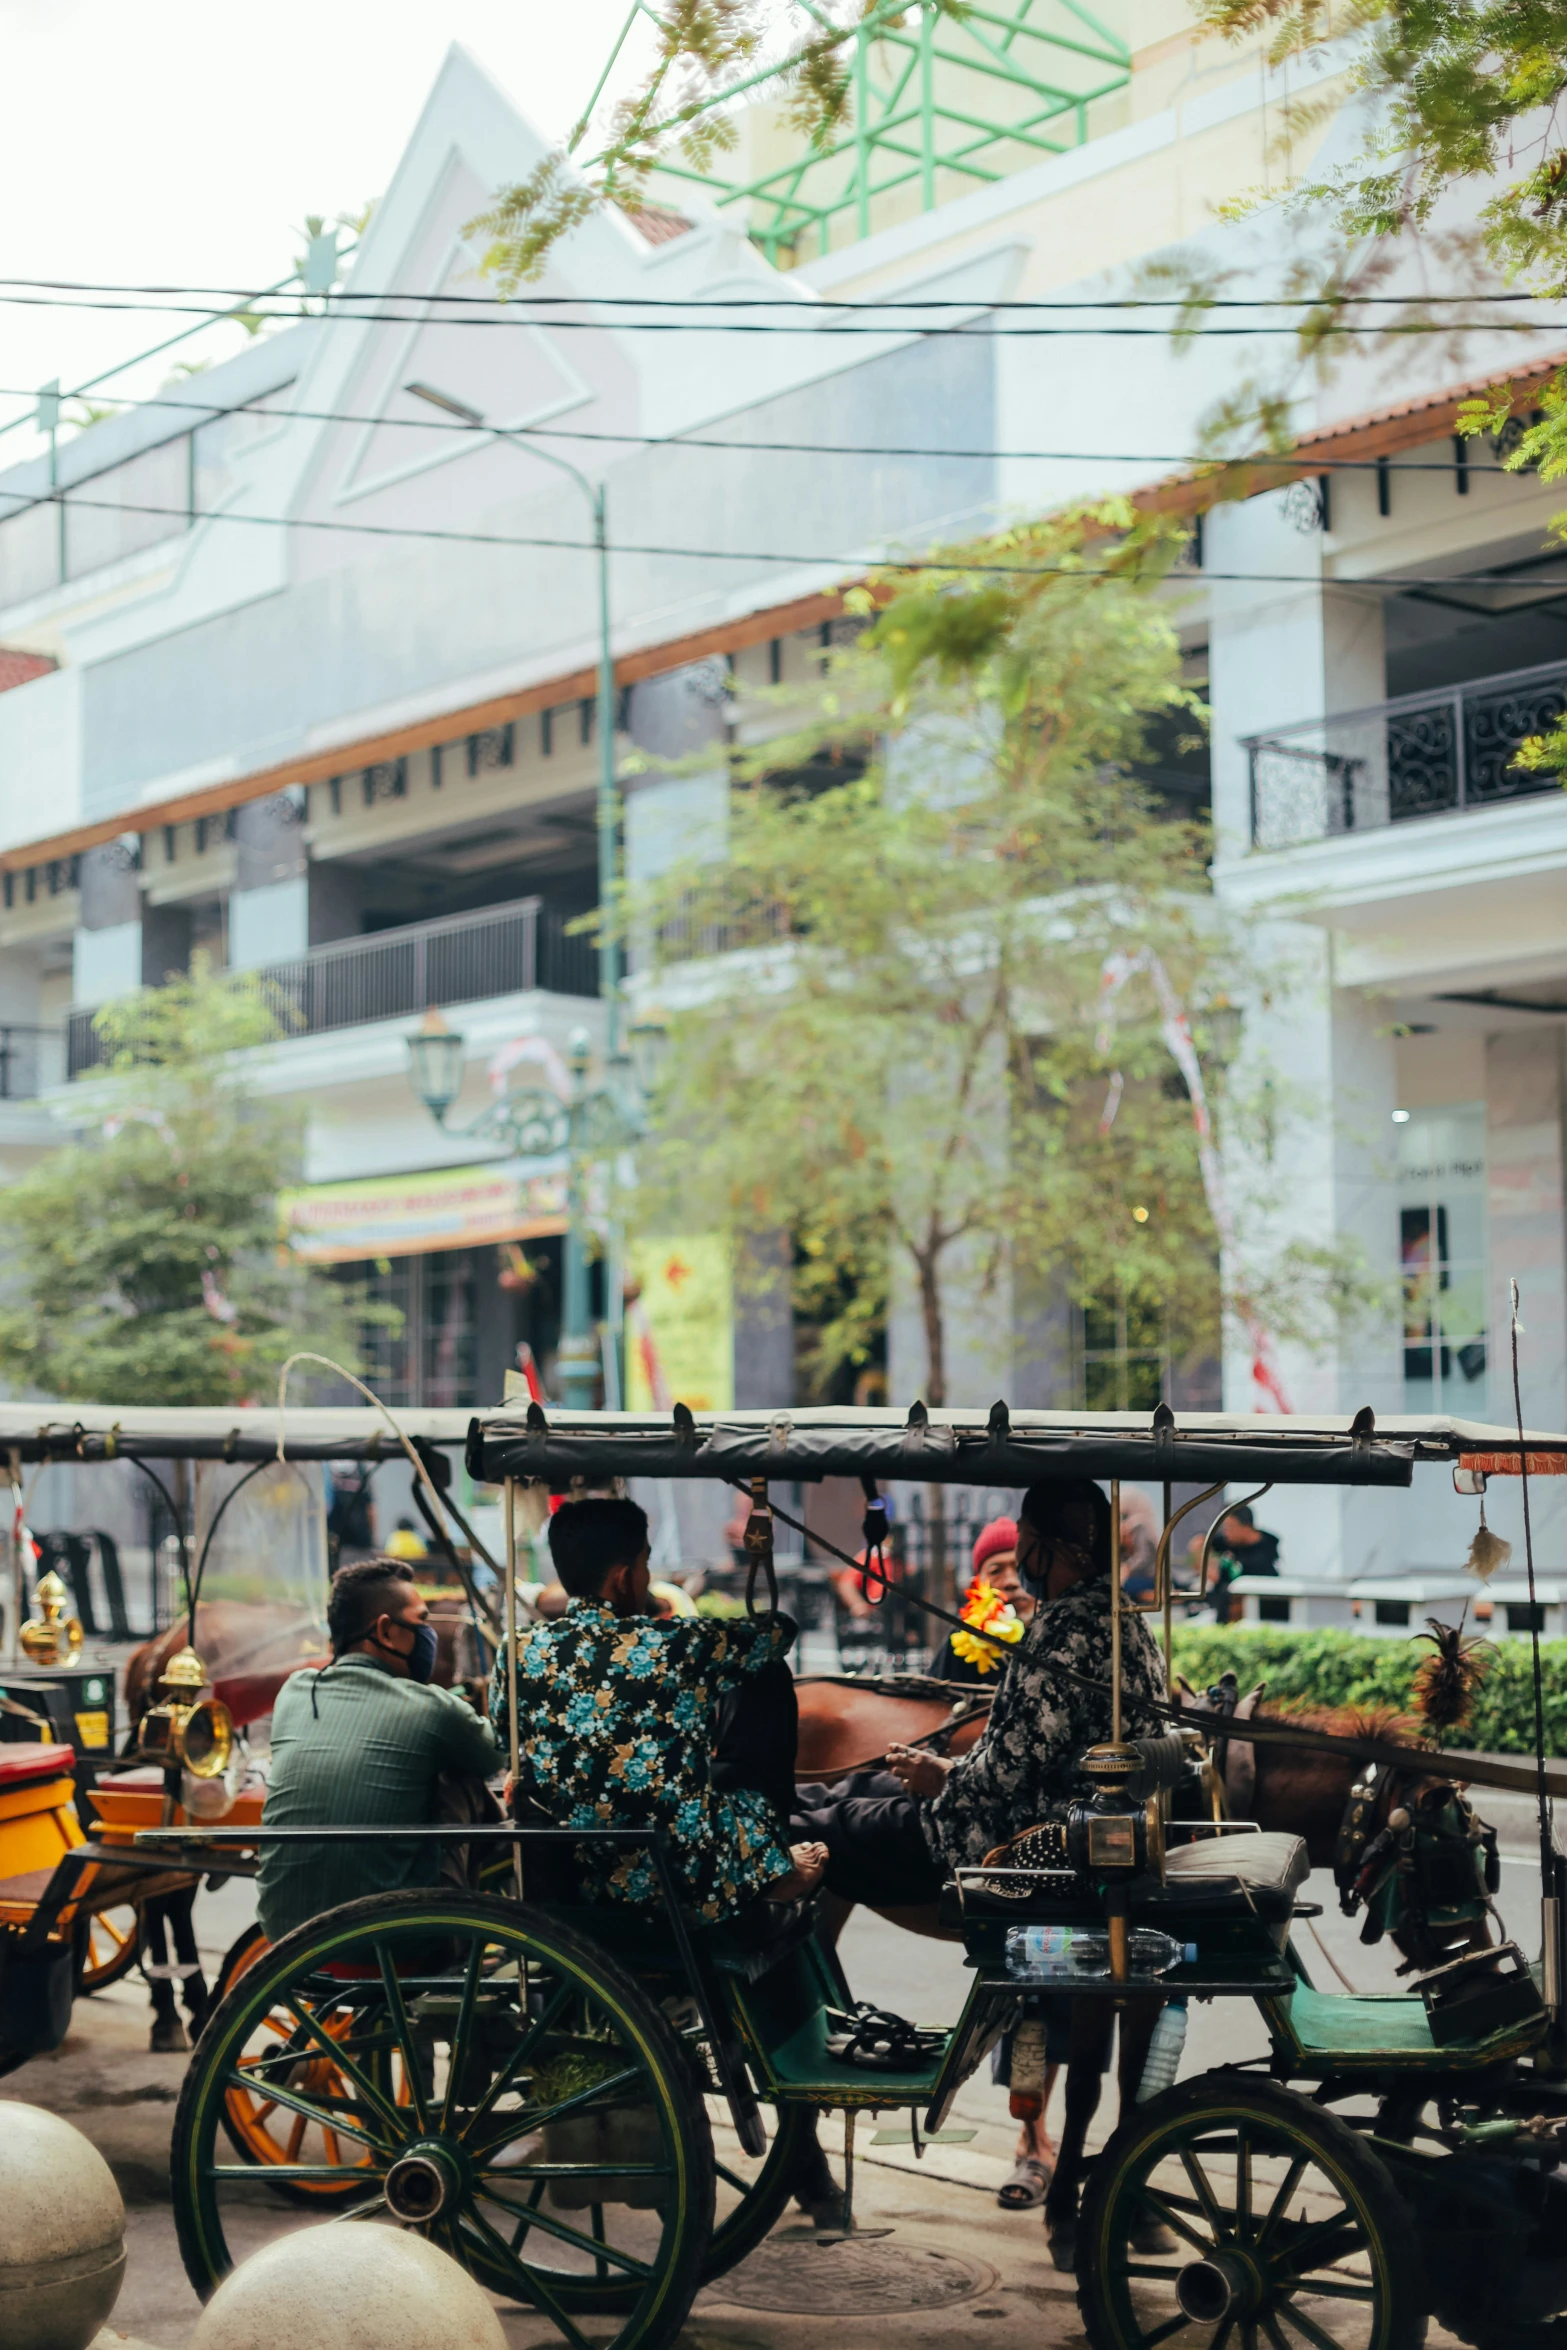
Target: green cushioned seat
{"type": "Point", "coordinates": [1334, 2031]}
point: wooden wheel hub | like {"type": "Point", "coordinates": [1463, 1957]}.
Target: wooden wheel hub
{"type": "Point", "coordinates": [423, 2183]}
{"type": "Point", "coordinates": [1222, 2286]}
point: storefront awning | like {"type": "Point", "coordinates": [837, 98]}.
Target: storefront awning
{"type": "Point", "coordinates": [411, 1215]}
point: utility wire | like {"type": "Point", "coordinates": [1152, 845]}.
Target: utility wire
{"type": "Point", "coordinates": [1268, 459]}
{"type": "Point", "coordinates": [873, 303]}
{"type": "Point", "coordinates": [418, 315]}
{"type": "Point", "coordinates": [796, 561]}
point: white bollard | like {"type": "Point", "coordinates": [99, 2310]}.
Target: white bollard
{"type": "Point", "coordinates": [348, 2285]}
{"type": "Point", "coordinates": [62, 2233]}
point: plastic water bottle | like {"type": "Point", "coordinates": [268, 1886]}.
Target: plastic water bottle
{"type": "Point", "coordinates": [1064, 1954]}
{"type": "Point", "coordinates": [1164, 2051]}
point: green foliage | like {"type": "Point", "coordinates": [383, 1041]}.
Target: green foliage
{"type": "Point", "coordinates": [703, 51]}
{"type": "Point", "coordinates": [1357, 1669]}
{"type": "Point", "coordinates": [722, 1604]}
{"type": "Point", "coordinates": [902, 1060]}
{"type": "Point", "coordinates": [1470, 98]}
{"type": "Point", "coordinates": [145, 1260]}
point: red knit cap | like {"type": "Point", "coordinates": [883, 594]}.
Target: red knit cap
{"type": "Point", "coordinates": [999, 1535]}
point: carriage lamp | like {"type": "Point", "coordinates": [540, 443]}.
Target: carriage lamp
{"type": "Point", "coordinates": [184, 1730]}
{"type": "Point", "coordinates": [435, 1065]}
{"type": "Point", "coordinates": [51, 1637]}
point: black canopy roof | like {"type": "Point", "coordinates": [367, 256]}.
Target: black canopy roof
{"type": "Point", "coordinates": [972, 1448]}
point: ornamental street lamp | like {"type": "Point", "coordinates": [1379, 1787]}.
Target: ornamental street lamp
{"type": "Point", "coordinates": [532, 1122]}
{"type": "Point", "coordinates": [608, 814]}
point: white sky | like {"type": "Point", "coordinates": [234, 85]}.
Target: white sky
{"type": "Point", "coordinates": [181, 142]}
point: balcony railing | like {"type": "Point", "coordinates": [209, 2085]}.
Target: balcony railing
{"type": "Point", "coordinates": [30, 1060]}
{"type": "Point", "coordinates": [1423, 755]}
{"type": "Point", "coordinates": [460, 959]}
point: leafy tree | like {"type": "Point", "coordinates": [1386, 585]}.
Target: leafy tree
{"type": "Point", "coordinates": [702, 49]}
{"type": "Point", "coordinates": [145, 1261]}
{"type": "Point", "coordinates": [904, 1046]}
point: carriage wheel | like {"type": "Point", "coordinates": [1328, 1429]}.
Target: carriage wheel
{"type": "Point", "coordinates": [551, 2136]}
{"type": "Point", "coordinates": [1283, 2230]}
{"type": "Point", "coordinates": [753, 2192]}
{"type": "Point", "coordinates": [109, 1947]}
{"type": "Point", "coordinates": [274, 2136]}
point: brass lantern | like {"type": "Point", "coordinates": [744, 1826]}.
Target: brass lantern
{"type": "Point", "coordinates": [184, 1729]}
{"type": "Point", "coordinates": [51, 1637]}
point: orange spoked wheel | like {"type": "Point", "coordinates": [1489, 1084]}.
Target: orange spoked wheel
{"type": "Point", "coordinates": [263, 2130]}
{"type": "Point", "coordinates": [109, 1946]}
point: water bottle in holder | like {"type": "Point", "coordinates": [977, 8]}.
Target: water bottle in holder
{"type": "Point", "coordinates": [1163, 2060]}
{"type": "Point", "coordinates": [1075, 1954]}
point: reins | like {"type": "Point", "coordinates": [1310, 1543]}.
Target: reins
{"type": "Point", "coordinates": [1475, 1770]}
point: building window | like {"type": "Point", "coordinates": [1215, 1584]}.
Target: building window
{"type": "Point", "coordinates": [1443, 1259]}
{"type": "Point", "coordinates": [1125, 1356]}
{"type": "Point", "coordinates": [431, 1358]}
{"type": "Point", "coordinates": [450, 1358]}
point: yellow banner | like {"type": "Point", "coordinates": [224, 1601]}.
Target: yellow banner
{"type": "Point", "coordinates": [411, 1215]}
{"type": "Point", "coordinates": [680, 1326]}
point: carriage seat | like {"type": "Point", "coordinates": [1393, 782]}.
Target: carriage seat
{"type": "Point", "coordinates": [29, 1766]}
{"type": "Point", "coordinates": [1259, 1875]}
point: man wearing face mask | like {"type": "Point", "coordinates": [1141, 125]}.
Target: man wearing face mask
{"type": "Point", "coordinates": [365, 1742]}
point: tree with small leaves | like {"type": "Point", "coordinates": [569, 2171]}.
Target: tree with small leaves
{"type": "Point", "coordinates": [146, 1263]}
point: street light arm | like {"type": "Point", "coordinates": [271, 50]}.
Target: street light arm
{"type": "Point", "coordinates": [592, 491]}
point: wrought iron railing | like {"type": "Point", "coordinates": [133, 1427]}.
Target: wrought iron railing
{"type": "Point", "coordinates": [31, 1059]}
{"type": "Point", "coordinates": [1422, 755]}
{"type": "Point", "coordinates": [388, 974]}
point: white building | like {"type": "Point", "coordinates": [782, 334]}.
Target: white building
{"type": "Point", "coordinates": [281, 725]}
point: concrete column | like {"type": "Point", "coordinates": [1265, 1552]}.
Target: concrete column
{"type": "Point", "coordinates": [106, 955]}
{"type": "Point", "coordinates": [669, 818]}
{"type": "Point", "coordinates": [763, 1326]}
{"type": "Point", "coordinates": [269, 906]}
{"type": "Point", "coordinates": [1282, 649]}
{"type": "Point", "coordinates": [1526, 1108]}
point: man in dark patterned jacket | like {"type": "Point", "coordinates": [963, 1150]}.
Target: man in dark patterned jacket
{"type": "Point", "coordinates": [626, 1721]}
{"type": "Point", "coordinates": [893, 1836]}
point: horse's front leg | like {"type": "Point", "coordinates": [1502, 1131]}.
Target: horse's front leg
{"type": "Point", "coordinates": [1093, 2020]}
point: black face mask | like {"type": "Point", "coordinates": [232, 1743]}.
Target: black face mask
{"type": "Point", "coordinates": [420, 1659]}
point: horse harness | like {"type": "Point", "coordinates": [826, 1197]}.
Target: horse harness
{"type": "Point", "coordinates": [1414, 1855]}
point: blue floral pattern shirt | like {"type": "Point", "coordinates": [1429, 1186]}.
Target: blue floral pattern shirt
{"type": "Point", "coordinates": [617, 1718]}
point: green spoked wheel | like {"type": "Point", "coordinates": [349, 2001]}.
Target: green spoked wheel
{"type": "Point", "coordinates": [753, 2191]}
{"type": "Point", "coordinates": [476, 2072]}
{"type": "Point", "coordinates": [1229, 2214]}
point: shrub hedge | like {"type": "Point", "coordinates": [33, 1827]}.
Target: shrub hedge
{"type": "Point", "coordinates": [1352, 1668]}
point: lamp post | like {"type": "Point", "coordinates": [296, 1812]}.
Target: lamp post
{"type": "Point", "coordinates": [534, 1123]}
{"type": "Point", "coordinates": [608, 813]}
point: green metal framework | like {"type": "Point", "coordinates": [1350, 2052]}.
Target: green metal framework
{"type": "Point", "coordinates": [942, 100]}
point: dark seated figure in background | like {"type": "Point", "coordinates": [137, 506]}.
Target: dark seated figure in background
{"type": "Point", "coordinates": [686, 1725]}
{"type": "Point", "coordinates": [366, 1741]}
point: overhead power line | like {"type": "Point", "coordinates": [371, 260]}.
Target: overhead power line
{"type": "Point", "coordinates": [417, 313]}
{"type": "Point", "coordinates": [1271, 460]}
{"type": "Point", "coordinates": [794, 559]}
{"type": "Point", "coordinates": [860, 303]}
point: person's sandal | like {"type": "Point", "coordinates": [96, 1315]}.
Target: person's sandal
{"type": "Point", "coordinates": [1026, 2185]}
{"type": "Point", "coordinates": [878, 2042]}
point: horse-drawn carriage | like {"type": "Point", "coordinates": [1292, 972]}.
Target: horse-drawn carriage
{"type": "Point", "coordinates": [599, 2108]}
{"type": "Point", "coordinates": [76, 1896]}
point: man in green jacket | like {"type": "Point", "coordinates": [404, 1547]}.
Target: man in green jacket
{"type": "Point", "coordinates": [365, 1742]}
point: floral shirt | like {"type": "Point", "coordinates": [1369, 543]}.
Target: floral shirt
{"type": "Point", "coordinates": [1023, 1769]}
{"type": "Point", "coordinates": [617, 1716]}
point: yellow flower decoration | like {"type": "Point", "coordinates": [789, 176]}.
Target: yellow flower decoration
{"type": "Point", "coordinates": [985, 1607]}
